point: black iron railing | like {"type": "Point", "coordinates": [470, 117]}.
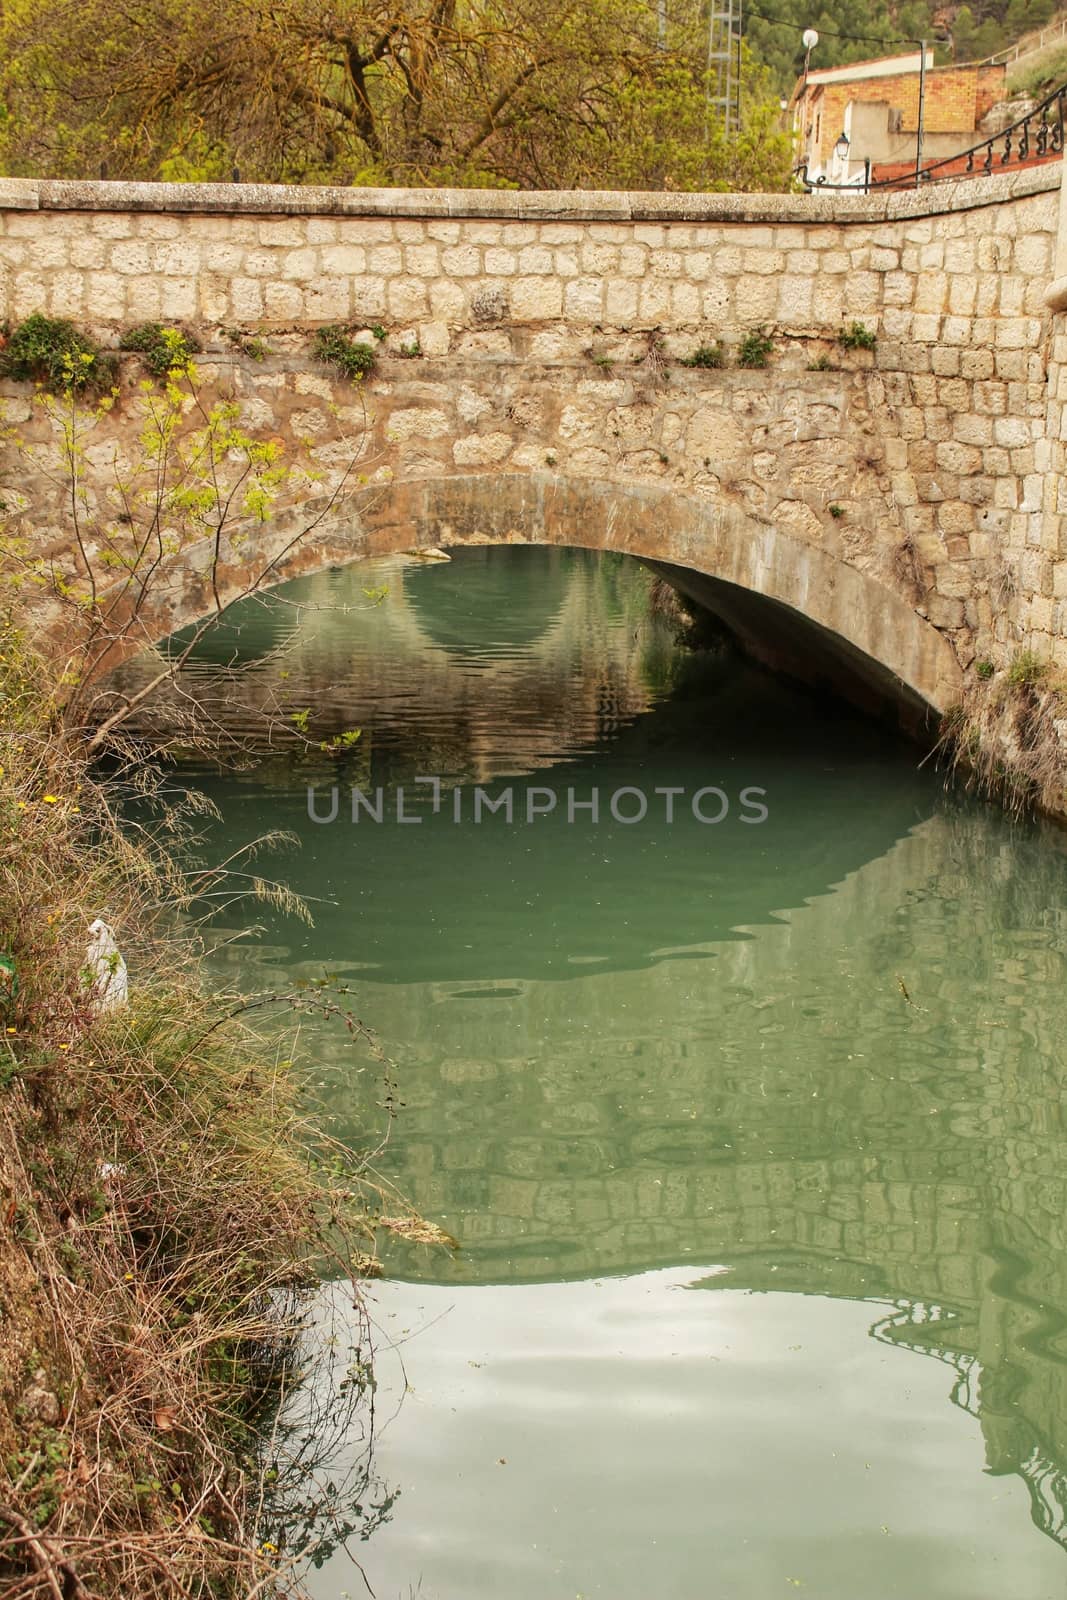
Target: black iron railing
{"type": "Point", "coordinates": [1036, 137]}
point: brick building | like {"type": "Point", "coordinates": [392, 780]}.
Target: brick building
{"type": "Point", "coordinates": [875, 104]}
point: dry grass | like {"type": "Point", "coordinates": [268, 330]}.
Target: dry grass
{"type": "Point", "coordinates": [164, 1208]}
{"type": "Point", "coordinates": [1002, 738]}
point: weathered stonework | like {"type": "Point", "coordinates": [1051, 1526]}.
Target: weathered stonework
{"type": "Point", "coordinates": [547, 387]}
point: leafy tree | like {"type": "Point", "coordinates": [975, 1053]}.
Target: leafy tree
{"type": "Point", "coordinates": [527, 93]}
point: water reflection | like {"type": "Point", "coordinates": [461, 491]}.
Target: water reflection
{"type": "Point", "coordinates": [822, 1055]}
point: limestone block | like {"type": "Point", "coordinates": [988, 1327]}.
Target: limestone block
{"type": "Point", "coordinates": [828, 302]}
{"type": "Point", "coordinates": [179, 296]}
{"type": "Point", "coordinates": [958, 330]}
{"type": "Point", "coordinates": [945, 362]}
{"type": "Point", "coordinates": [621, 300]}
{"type": "Point", "coordinates": [144, 299]}
{"type": "Point", "coordinates": [698, 265]}
{"type": "Point", "coordinates": [536, 259]}
{"type": "Point", "coordinates": [246, 298]}
{"type": "Point", "coordinates": [105, 297]}
{"type": "Point", "coordinates": [348, 260]}
{"type": "Point", "coordinates": [1033, 255]}
{"type": "Point", "coordinates": [976, 363]}
{"type": "Point", "coordinates": [632, 261]}
{"type": "Point", "coordinates": [416, 422]}
{"type": "Point", "coordinates": [282, 302]}
{"type": "Point", "coordinates": [583, 300]}
{"type": "Point", "coordinates": [327, 300]}
{"type": "Point", "coordinates": [284, 232]}
{"type": "Point", "coordinates": [686, 304]}
{"type": "Point", "coordinates": [481, 449]}
{"type": "Point", "coordinates": [406, 299]}
{"type": "Point", "coordinates": [716, 303]}
{"type": "Point", "coordinates": [665, 264]}
{"type": "Point", "coordinates": [716, 436]}
{"type": "Point", "coordinates": [969, 428]}
{"type": "Point", "coordinates": [799, 518]}
{"type": "Point", "coordinates": [368, 298]}
{"type": "Point", "coordinates": [991, 399]}
{"type": "Point", "coordinates": [386, 260]}
{"type": "Point", "coordinates": [795, 300]}
{"type": "Point", "coordinates": [1011, 431]}
{"type": "Point", "coordinates": [448, 302]}
{"type": "Point", "coordinates": [434, 338]}
{"type": "Point", "coordinates": [956, 517]}
{"type": "Point", "coordinates": [755, 299]}
{"type": "Point", "coordinates": [654, 303]}
{"type": "Point", "coordinates": [66, 296]}
{"type": "Point", "coordinates": [536, 299]}
{"type": "Point", "coordinates": [135, 258]}
{"type": "Point", "coordinates": [962, 295]}
{"type": "Point", "coordinates": [501, 263]}
{"type": "Point", "coordinates": [957, 457]}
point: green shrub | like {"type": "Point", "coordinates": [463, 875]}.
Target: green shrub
{"type": "Point", "coordinates": [1026, 670]}
{"type": "Point", "coordinates": [821, 364]}
{"type": "Point", "coordinates": [334, 345]}
{"type": "Point", "coordinates": [706, 355]}
{"type": "Point", "coordinates": [857, 337]}
{"type": "Point", "coordinates": [756, 346]}
{"type": "Point", "coordinates": [836, 511]}
{"type": "Point", "coordinates": [985, 670]}
{"type": "Point", "coordinates": [161, 348]}
{"type": "Point", "coordinates": [52, 352]}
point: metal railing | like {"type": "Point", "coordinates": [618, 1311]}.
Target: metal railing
{"type": "Point", "coordinates": [1037, 136]}
{"type": "Point", "coordinates": [1055, 30]}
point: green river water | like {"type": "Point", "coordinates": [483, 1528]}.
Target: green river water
{"type": "Point", "coordinates": [752, 1133]}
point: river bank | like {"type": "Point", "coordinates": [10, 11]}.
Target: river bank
{"type": "Point", "coordinates": [165, 1204]}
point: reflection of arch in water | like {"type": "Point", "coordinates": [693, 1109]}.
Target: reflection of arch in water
{"type": "Point", "coordinates": [485, 605]}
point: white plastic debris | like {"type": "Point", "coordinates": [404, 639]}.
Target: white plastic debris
{"type": "Point", "coordinates": [107, 970]}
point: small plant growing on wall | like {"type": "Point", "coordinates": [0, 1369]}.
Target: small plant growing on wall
{"type": "Point", "coordinates": [1026, 670]}
{"type": "Point", "coordinates": [162, 349]}
{"type": "Point", "coordinates": [821, 364]}
{"type": "Point", "coordinates": [985, 670]}
{"type": "Point", "coordinates": [836, 511]}
{"type": "Point", "coordinates": [857, 337]}
{"type": "Point", "coordinates": [706, 355]}
{"type": "Point", "coordinates": [756, 346]}
{"type": "Point", "coordinates": [52, 352]}
{"type": "Point", "coordinates": [255, 349]}
{"type": "Point", "coordinates": [335, 346]}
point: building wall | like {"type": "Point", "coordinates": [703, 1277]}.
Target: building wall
{"type": "Point", "coordinates": [956, 100]}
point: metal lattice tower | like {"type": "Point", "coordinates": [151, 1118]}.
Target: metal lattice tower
{"type": "Point", "coordinates": [724, 61]}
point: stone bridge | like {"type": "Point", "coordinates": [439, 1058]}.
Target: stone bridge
{"type": "Point", "coordinates": [884, 518]}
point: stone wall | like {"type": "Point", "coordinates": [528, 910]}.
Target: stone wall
{"type": "Point", "coordinates": [549, 330]}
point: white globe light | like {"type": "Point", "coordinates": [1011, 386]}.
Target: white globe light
{"type": "Point", "coordinates": [809, 39]}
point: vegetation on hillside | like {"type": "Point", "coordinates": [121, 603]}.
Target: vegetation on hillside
{"type": "Point", "coordinates": [855, 30]}
{"type": "Point", "coordinates": [527, 93]}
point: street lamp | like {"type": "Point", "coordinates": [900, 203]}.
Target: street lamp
{"type": "Point", "coordinates": [842, 146]}
{"type": "Point", "coordinates": [809, 39]}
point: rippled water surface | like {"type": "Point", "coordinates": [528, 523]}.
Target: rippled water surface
{"type": "Point", "coordinates": [752, 1134]}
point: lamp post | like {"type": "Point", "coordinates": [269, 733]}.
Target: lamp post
{"type": "Point", "coordinates": [922, 107]}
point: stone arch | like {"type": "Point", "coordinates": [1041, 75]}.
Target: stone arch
{"type": "Point", "coordinates": [794, 604]}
